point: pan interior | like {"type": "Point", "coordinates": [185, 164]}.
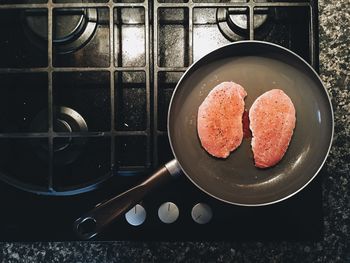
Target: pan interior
{"type": "Point", "coordinates": [236, 179]}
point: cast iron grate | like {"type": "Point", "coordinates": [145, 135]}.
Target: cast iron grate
{"type": "Point", "coordinates": [123, 98]}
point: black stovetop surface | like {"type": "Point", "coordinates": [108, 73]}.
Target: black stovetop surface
{"type": "Point", "coordinates": [28, 217]}
{"type": "Point", "coordinates": [85, 87]}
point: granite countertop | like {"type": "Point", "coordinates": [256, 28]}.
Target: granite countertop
{"type": "Point", "coordinates": [335, 247]}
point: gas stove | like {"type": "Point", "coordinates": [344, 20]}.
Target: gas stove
{"type": "Point", "coordinates": [85, 87]}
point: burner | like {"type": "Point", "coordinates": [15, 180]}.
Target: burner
{"type": "Point", "coordinates": [66, 149]}
{"type": "Point", "coordinates": [62, 126]}
{"type": "Point", "coordinates": [72, 28]}
{"type": "Point", "coordinates": [234, 21]}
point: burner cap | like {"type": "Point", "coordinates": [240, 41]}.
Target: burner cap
{"type": "Point", "coordinates": [234, 21]}
{"type": "Point", "coordinates": [66, 149]}
{"type": "Point", "coordinates": [67, 24]}
{"type": "Point", "coordinates": [62, 126]}
{"type": "Point", "coordinates": [72, 28]}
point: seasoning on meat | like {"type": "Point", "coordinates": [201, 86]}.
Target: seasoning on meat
{"type": "Point", "coordinates": [219, 120]}
{"type": "Point", "coordinates": [272, 121]}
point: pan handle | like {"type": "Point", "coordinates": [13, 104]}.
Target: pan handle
{"type": "Point", "coordinates": [93, 222]}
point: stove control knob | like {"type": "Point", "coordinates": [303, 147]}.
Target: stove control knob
{"type": "Point", "coordinates": [136, 215]}
{"type": "Point", "coordinates": [168, 212]}
{"type": "Point", "coordinates": [201, 213]}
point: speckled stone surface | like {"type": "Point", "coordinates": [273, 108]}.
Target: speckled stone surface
{"type": "Point", "coordinates": [335, 246]}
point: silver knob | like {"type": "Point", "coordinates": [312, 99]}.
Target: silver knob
{"type": "Point", "coordinates": [168, 212]}
{"type": "Point", "coordinates": [201, 213]}
{"type": "Point", "coordinates": [136, 215]}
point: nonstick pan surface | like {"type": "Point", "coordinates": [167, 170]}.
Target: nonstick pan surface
{"type": "Point", "coordinates": [258, 67]}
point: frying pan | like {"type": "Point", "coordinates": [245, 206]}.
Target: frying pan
{"type": "Point", "coordinates": [258, 67]}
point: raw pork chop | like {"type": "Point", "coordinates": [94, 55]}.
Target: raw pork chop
{"type": "Point", "coordinates": [219, 120]}
{"type": "Point", "coordinates": [272, 121]}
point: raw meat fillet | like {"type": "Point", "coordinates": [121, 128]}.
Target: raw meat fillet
{"type": "Point", "coordinates": [272, 121]}
{"type": "Point", "coordinates": [219, 120]}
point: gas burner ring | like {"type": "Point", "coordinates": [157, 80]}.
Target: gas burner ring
{"type": "Point", "coordinates": [233, 22]}
{"type": "Point", "coordinates": [66, 149]}
{"type": "Point", "coordinates": [70, 120]}
{"type": "Point", "coordinates": [63, 125]}
{"type": "Point", "coordinates": [72, 28]}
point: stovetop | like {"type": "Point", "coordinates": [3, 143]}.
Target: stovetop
{"type": "Point", "coordinates": [85, 87]}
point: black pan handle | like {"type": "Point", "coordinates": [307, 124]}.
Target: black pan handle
{"type": "Point", "coordinates": [93, 222]}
